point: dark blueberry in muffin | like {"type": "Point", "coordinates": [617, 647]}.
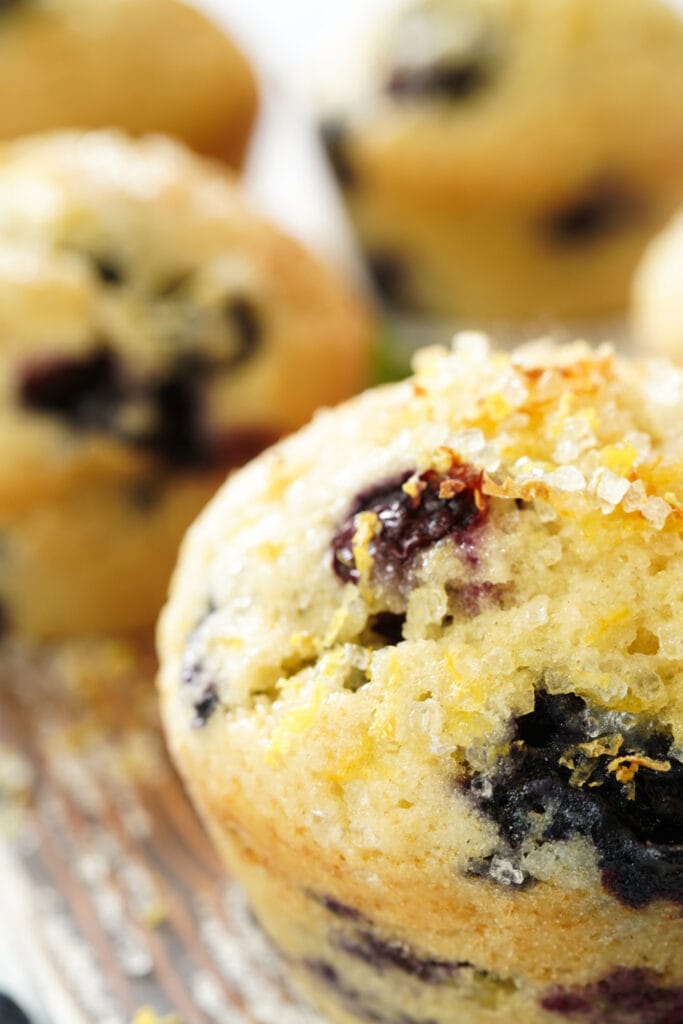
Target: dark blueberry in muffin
{"type": "Point", "coordinates": [10, 1013]}
{"type": "Point", "coordinates": [334, 138]}
{"type": "Point", "coordinates": [212, 340]}
{"type": "Point", "coordinates": [573, 770]}
{"type": "Point", "coordinates": [557, 721]}
{"type": "Point", "coordinates": [383, 954]}
{"type": "Point", "coordinates": [205, 706]}
{"type": "Point", "coordinates": [603, 209]}
{"type": "Point", "coordinates": [324, 971]}
{"type": "Point", "coordinates": [626, 996]}
{"type": "Point", "coordinates": [340, 909]}
{"type": "Point", "coordinates": [389, 275]}
{"type": "Point", "coordinates": [108, 270]}
{"type": "Point", "coordinates": [453, 80]}
{"type": "Point", "coordinates": [82, 390]}
{"type": "Point", "coordinates": [245, 321]}
{"type": "Point", "coordinates": [435, 506]}
{"type": "Point", "coordinates": [177, 433]}
{"type": "Point", "coordinates": [93, 393]}
{"type": "Point", "coordinates": [355, 1001]}
{"type": "Point", "coordinates": [195, 674]}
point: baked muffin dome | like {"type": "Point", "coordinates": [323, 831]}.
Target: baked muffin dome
{"type": "Point", "coordinates": [421, 671]}
{"type": "Point", "coordinates": [657, 299]}
{"type": "Point", "coordinates": [490, 159]}
{"type": "Point", "coordinates": [153, 333]}
{"type": "Point", "coordinates": [141, 65]}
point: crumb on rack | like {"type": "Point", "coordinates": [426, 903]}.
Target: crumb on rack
{"type": "Point", "coordinates": [153, 915]}
{"type": "Point", "coordinates": [146, 1015]}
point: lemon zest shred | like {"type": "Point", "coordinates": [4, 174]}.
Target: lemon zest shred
{"type": "Point", "coordinates": [603, 625]}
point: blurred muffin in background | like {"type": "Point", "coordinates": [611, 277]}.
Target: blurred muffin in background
{"type": "Point", "coordinates": [657, 307]}
{"type": "Point", "coordinates": [154, 332]}
{"type": "Point", "coordinates": [509, 159]}
{"type": "Point", "coordinates": [141, 65]}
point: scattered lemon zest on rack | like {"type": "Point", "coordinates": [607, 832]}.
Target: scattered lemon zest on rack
{"type": "Point", "coordinates": [146, 1015]}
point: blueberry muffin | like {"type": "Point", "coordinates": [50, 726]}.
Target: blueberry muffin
{"type": "Point", "coordinates": [141, 65]}
{"type": "Point", "coordinates": [421, 671]}
{"type": "Point", "coordinates": [657, 300]}
{"type": "Point", "coordinates": [154, 332]}
{"type": "Point", "coordinates": [509, 159]}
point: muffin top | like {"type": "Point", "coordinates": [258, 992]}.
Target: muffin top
{"type": "Point", "coordinates": [146, 314]}
{"type": "Point", "coordinates": [141, 65]}
{"type": "Point", "coordinates": [382, 606]}
{"type": "Point", "coordinates": [523, 98]}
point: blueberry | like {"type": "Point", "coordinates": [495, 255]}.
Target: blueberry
{"type": "Point", "coordinates": [441, 505]}
{"type": "Point", "coordinates": [603, 209]}
{"type": "Point", "coordinates": [363, 943]}
{"type": "Point", "coordinates": [349, 996]}
{"type": "Point", "coordinates": [194, 673]}
{"type": "Point", "coordinates": [340, 909]}
{"type": "Point", "coordinates": [557, 721]}
{"type": "Point", "coordinates": [625, 996]}
{"type": "Point", "coordinates": [243, 327]}
{"type": "Point", "coordinates": [240, 315]}
{"type": "Point", "coordinates": [246, 323]}
{"type": "Point", "coordinates": [10, 1013]}
{"type": "Point", "coordinates": [178, 433]}
{"type": "Point", "coordinates": [108, 271]}
{"type": "Point", "coordinates": [389, 275]}
{"type": "Point", "coordinates": [94, 392]}
{"type": "Point", "coordinates": [382, 954]}
{"type": "Point", "coordinates": [90, 393]}
{"type": "Point", "coordinates": [355, 1001]}
{"type": "Point", "coordinates": [559, 779]}
{"type": "Point", "coordinates": [452, 80]}
{"type": "Point", "coordinates": [205, 705]}
{"type": "Point", "coordinates": [324, 971]}
{"type": "Point", "coordinates": [82, 390]}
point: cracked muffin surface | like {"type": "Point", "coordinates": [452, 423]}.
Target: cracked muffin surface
{"type": "Point", "coordinates": [140, 65]}
{"type": "Point", "coordinates": [154, 332]}
{"type": "Point", "coordinates": [488, 159]}
{"type": "Point", "coordinates": [421, 671]}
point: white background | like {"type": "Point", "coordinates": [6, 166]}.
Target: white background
{"type": "Point", "coordinates": [297, 46]}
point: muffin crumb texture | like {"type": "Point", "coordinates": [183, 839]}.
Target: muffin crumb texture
{"type": "Point", "coordinates": [421, 670]}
